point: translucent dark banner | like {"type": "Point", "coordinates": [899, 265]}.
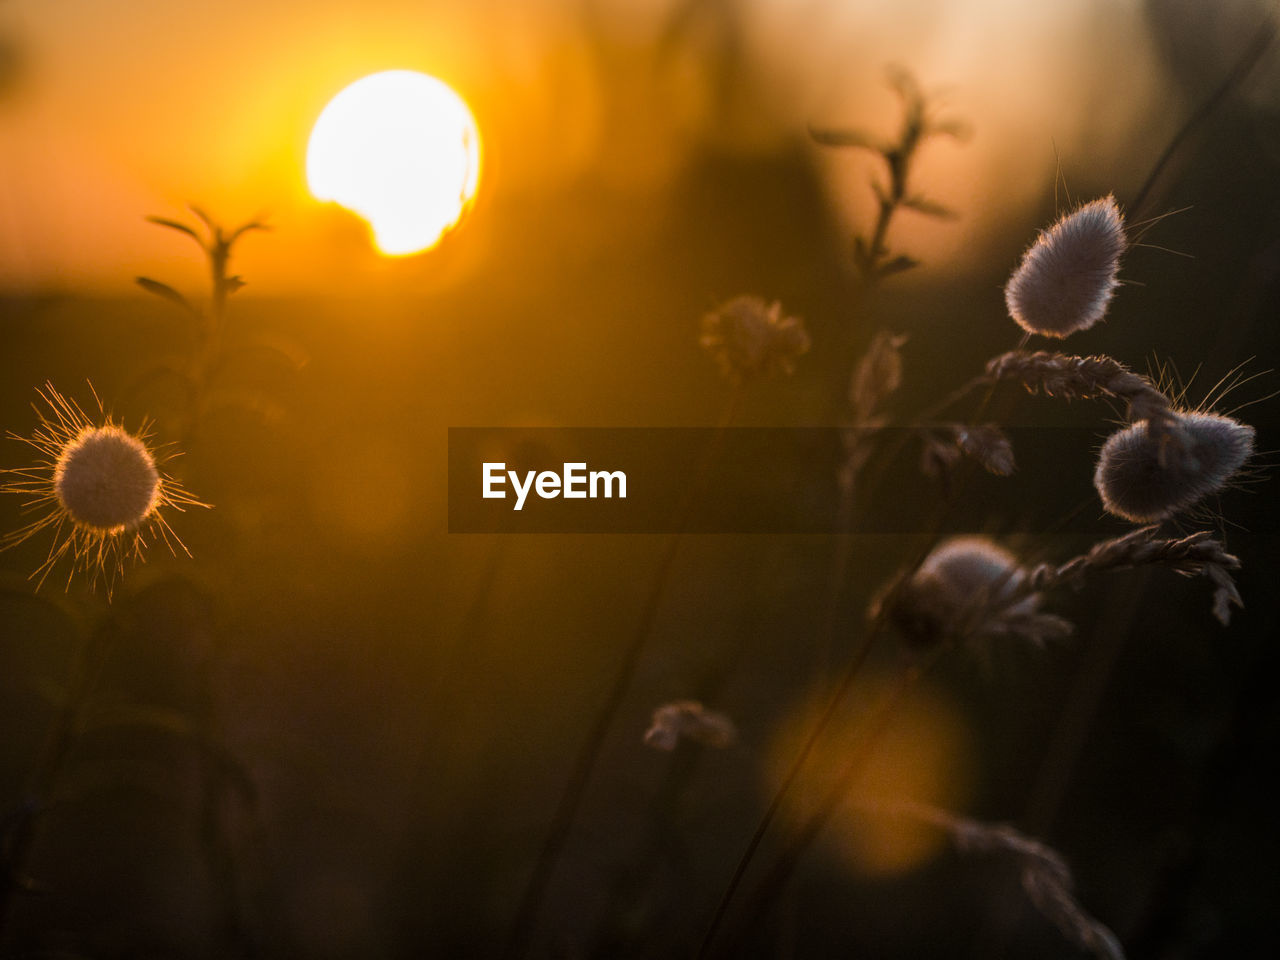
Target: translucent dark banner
{"type": "Point", "coordinates": [777, 480]}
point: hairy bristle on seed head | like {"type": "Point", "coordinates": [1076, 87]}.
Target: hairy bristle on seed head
{"type": "Point", "coordinates": [1143, 479]}
{"type": "Point", "coordinates": [750, 338]}
{"type": "Point", "coordinates": [1067, 277]}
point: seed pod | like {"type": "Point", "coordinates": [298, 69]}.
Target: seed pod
{"type": "Point", "coordinates": [1067, 277]}
{"type": "Point", "coordinates": [1143, 479]}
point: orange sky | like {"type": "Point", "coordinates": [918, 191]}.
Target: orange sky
{"type": "Point", "coordinates": [125, 108]}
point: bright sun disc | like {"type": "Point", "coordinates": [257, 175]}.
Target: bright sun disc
{"type": "Point", "coordinates": [401, 150]}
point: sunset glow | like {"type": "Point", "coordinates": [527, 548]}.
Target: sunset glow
{"type": "Point", "coordinates": [401, 150]}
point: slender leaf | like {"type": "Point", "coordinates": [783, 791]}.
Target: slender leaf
{"type": "Point", "coordinates": [899, 264]}
{"type": "Point", "coordinates": [204, 217]}
{"type": "Point", "coordinates": [175, 225]}
{"type": "Point", "coordinates": [166, 292]}
{"type": "Point", "coordinates": [245, 228]}
{"type": "Point", "coordinates": [929, 208]}
{"type": "Point", "coordinates": [956, 129]}
{"type": "Point", "coordinates": [848, 138]}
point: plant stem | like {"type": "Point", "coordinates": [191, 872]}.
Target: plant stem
{"type": "Point", "coordinates": [1066, 743]}
{"type": "Point", "coordinates": [845, 684]}
{"type": "Point", "coordinates": [1240, 70]}
{"type": "Point", "coordinates": [57, 746]}
{"type": "Point", "coordinates": [785, 865]}
{"type": "Point", "coordinates": [526, 917]}
{"type": "Point", "coordinates": [788, 780]}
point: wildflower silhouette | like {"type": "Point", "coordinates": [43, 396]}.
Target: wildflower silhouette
{"type": "Point", "coordinates": [969, 590]}
{"type": "Point", "coordinates": [102, 489]}
{"type": "Point", "coordinates": [750, 338]}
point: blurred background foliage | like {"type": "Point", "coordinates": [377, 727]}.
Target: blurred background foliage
{"type": "Point", "coordinates": [340, 731]}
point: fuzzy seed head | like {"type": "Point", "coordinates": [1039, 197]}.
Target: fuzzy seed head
{"type": "Point", "coordinates": [750, 338]}
{"type": "Point", "coordinates": [106, 479]}
{"type": "Point", "coordinates": [949, 596]}
{"type": "Point", "coordinates": [689, 719]}
{"type": "Point", "coordinates": [1067, 277]}
{"type": "Point", "coordinates": [964, 566]}
{"type": "Point", "coordinates": [1144, 478]}
{"type": "Point", "coordinates": [100, 492]}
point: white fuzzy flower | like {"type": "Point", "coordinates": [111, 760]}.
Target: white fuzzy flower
{"type": "Point", "coordinates": [1067, 277]}
{"type": "Point", "coordinates": [1144, 478]}
{"type": "Point", "coordinates": [969, 590]}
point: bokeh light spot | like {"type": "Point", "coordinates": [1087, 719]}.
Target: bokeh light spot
{"type": "Point", "coordinates": [925, 756]}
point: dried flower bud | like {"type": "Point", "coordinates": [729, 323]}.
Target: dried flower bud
{"type": "Point", "coordinates": [877, 375]}
{"type": "Point", "coordinates": [1067, 277]}
{"type": "Point", "coordinates": [984, 442]}
{"type": "Point", "coordinates": [969, 590]}
{"type": "Point", "coordinates": [689, 718]}
{"type": "Point", "coordinates": [1142, 478]}
{"type": "Point", "coordinates": [750, 338]}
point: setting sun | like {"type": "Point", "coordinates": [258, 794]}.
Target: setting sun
{"type": "Point", "coordinates": [400, 149]}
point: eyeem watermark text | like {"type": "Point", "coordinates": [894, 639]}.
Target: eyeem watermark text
{"type": "Point", "coordinates": [573, 482]}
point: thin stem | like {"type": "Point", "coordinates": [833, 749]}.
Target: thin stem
{"type": "Point", "coordinates": [922, 420]}
{"type": "Point", "coordinates": [219, 254]}
{"type": "Point", "coordinates": [877, 627]}
{"type": "Point", "coordinates": [1243, 67]}
{"type": "Point", "coordinates": [217, 250]}
{"type": "Point", "coordinates": [788, 780]}
{"type": "Point", "coordinates": [873, 252]}
{"type": "Point", "coordinates": [635, 880]}
{"type": "Point", "coordinates": [801, 840]}
{"type": "Point", "coordinates": [899, 163]}
{"type": "Point", "coordinates": [526, 917]}
{"type": "Point", "coordinates": [58, 742]}
{"type": "Point", "coordinates": [1074, 724]}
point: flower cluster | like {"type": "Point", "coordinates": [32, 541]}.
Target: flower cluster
{"type": "Point", "coordinates": [1166, 460]}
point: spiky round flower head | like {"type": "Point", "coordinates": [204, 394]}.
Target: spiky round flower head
{"type": "Point", "coordinates": [1067, 277]}
{"type": "Point", "coordinates": [750, 338]}
{"type": "Point", "coordinates": [1144, 478]}
{"type": "Point", "coordinates": [101, 488]}
{"type": "Point", "coordinates": [969, 590]}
